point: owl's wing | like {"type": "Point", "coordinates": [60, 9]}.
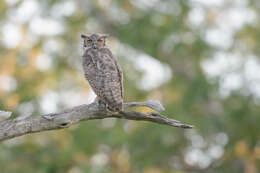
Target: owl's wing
{"type": "Point", "coordinates": [120, 75]}
{"type": "Point", "coordinates": [113, 85]}
{"type": "Point", "coordinates": [119, 70]}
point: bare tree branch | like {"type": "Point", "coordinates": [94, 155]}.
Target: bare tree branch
{"type": "Point", "coordinates": [21, 126]}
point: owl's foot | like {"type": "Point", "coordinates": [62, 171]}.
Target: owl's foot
{"type": "Point", "coordinates": [100, 103]}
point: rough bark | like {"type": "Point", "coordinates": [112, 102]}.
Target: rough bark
{"type": "Point", "coordinates": [26, 125]}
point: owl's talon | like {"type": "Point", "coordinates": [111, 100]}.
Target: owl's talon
{"type": "Point", "coordinates": [102, 105]}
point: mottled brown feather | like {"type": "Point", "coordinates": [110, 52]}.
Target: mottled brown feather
{"type": "Point", "coordinates": [105, 77]}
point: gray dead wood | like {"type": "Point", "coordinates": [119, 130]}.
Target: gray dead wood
{"type": "Point", "coordinates": [4, 115]}
{"type": "Point", "coordinates": [21, 126]}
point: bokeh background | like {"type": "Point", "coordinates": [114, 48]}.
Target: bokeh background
{"type": "Point", "coordinates": [200, 58]}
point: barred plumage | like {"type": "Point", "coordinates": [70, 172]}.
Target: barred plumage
{"type": "Point", "coordinates": [103, 72]}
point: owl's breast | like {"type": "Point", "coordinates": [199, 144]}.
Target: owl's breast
{"type": "Point", "coordinates": [92, 66]}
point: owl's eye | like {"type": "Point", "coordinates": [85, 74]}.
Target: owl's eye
{"type": "Point", "coordinates": [100, 40]}
{"type": "Point", "coordinates": [89, 41]}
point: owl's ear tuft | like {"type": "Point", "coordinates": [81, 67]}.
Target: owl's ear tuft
{"type": "Point", "coordinates": [83, 36]}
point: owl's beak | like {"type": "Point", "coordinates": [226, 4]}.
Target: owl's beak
{"type": "Point", "coordinates": [95, 46]}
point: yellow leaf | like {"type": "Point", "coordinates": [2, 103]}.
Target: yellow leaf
{"type": "Point", "coordinates": [257, 152]}
{"type": "Point", "coordinates": [12, 101]}
{"type": "Point", "coordinates": [152, 170]}
{"type": "Point", "coordinates": [241, 149]}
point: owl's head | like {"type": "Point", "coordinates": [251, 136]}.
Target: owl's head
{"type": "Point", "coordinates": [95, 41]}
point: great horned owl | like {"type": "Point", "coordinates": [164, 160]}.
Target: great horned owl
{"type": "Point", "coordinates": [103, 72]}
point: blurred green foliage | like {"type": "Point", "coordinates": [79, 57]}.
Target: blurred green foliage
{"type": "Point", "coordinates": [43, 64]}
